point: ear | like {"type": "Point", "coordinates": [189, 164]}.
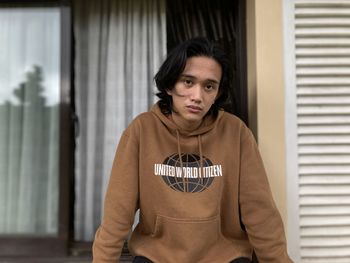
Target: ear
{"type": "Point", "coordinates": [169, 92]}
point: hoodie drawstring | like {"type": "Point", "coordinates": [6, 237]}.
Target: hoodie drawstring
{"type": "Point", "coordinates": [180, 157]}
{"type": "Point", "coordinates": [199, 138]}
{"type": "Point", "coordinates": [201, 157]}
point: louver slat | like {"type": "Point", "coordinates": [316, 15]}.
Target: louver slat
{"type": "Point", "coordinates": [322, 45]}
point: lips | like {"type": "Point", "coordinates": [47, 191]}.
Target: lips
{"type": "Point", "coordinates": [194, 109]}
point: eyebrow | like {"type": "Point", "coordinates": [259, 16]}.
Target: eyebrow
{"type": "Point", "coordinates": [193, 77]}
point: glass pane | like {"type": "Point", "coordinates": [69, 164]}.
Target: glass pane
{"type": "Point", "coordinates": [29, 120]}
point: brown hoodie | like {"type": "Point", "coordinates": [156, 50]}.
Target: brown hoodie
{"type": "Point", "coordinates": [203, 195]}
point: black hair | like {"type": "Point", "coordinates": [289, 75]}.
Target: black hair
{"type": "Point", "coordinates": [171, 69]}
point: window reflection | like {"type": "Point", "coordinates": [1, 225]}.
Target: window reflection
{"type": "Point", "coordinates": [29, 120]}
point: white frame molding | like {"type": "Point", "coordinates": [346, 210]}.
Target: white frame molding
{"type": "Point", "coordinates": [293, 229]}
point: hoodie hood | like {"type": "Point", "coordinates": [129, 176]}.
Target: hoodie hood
{"type": "Point", "coordinates": [208, 123]}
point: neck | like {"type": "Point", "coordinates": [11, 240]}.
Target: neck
{"type": "Point", "coordinates": [183, 124]}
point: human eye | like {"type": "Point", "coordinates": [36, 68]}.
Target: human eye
{"type": "Point", "coordinates": [188, 82]}
{"type": "Point", "coordinates": [210, 86]}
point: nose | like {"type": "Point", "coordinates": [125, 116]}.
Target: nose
{"type": "Point", "coordinates": [196, 93]}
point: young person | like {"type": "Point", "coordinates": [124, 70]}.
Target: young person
{"type": "Point", "coordinates": [195, 173]}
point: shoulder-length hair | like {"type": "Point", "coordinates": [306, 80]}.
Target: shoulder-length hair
{"type": "Point", "coordinates": [175, 63]}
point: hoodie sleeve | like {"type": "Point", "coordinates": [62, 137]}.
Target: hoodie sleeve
{"type": "Point", "coordinates": [120, 203]}
{"type": "Point", "coordinates": [259, 213]}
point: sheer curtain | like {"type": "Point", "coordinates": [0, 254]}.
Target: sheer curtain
{"type": "Point", "coordinates": [119, 46]}
{"type": "Point", "coordinates": [29, 120]}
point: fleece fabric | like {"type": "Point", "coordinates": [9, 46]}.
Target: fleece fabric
{"type": "Point", "coordinates": [203, 195]}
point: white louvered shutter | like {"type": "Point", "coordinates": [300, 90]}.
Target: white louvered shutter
{"type": "Point", "coordinates": [322, 47]}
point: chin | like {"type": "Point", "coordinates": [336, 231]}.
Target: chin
{"type": "Point", "coordinates": [195, 120]}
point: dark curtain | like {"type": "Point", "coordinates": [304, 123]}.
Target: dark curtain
{"type": "Point", "coordinates": [222, 21]}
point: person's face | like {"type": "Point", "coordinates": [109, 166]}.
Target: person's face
{"type": "Point", "coordinates": [195, 91]}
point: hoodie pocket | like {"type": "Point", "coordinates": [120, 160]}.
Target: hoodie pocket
{"type": "Point", "coordinates": [193, 236]}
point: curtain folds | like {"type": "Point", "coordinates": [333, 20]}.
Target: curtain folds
{"type": "Point", "coordinates": [119, 45]}
{"type": "Point", "coordinates": [190, 18]}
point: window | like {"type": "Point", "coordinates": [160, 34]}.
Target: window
{"type": "Point", "coordinates": [33, 105]}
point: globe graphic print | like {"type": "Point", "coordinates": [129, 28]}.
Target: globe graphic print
{"type": "Point", "coordinates": [191, 185]}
